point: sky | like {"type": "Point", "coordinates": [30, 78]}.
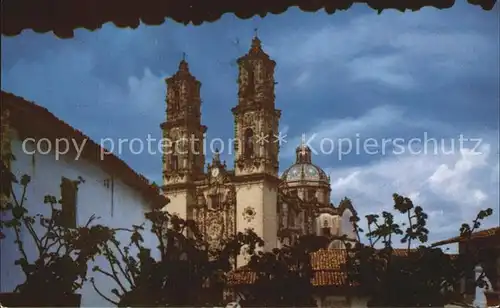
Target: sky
{"type": "Point", "coordinates": [349, 76]}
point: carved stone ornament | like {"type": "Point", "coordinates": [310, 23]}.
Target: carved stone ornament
{"type": "Point", "coordinates": [248, 120]}
{"type": "Point", "coordinates": [249, 213]}
{"type": "Point", "coordinates": [249, 164]}
{"type": "Point", "coordinates": [215, 224]}
{"type": "Point", "coordinates": [174, 176]}
{"type": "Point", "coordinates": [230, 195]}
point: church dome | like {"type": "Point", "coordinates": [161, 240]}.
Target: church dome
{"type": "Point", "coordinates": [304, 169]}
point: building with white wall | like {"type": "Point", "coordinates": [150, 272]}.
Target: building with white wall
{"type": "Point", "coordinates": [111, 190]}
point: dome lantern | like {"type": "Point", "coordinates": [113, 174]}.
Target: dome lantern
{"type": "Point", "coordinates": [304, 169]}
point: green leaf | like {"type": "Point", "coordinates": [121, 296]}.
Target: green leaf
{"type": "Point", "coordinates": [25, 179]}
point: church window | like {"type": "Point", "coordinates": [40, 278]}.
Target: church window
{"type": "Point", "coordinates": [176, 98]}
{"type": "Point", "coordinates": [300, 219]}
{"type": "Point", "coordinates": [180, 146]}
{"type": "Point", "coordinates": [68, 203]}
{"type": "Point", "coordinates": [311, 194]}
{"type": "Point", "coordinates": [174, 162]}
{"type": "Point", "coordinates": [175, 105]}
{"type": "Point", "coordinates": [214, 202]}
{"type": "Point", "coordinates": [326, 231]}
{"type": "Point", "coordinates": [335, 244]}
{"type": "Point", "coordinates": [250, 81]}
{"type": "Point", "coordinates": [196, 147]}
{"type": "Point", "coordinates": [248, 141]}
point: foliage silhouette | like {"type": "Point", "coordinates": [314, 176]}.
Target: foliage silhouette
{"type": "Point", "coordinates": [424, 276]}
{"type": "Point", "coordinates": [412, 277]}
{"type": "Point", "coordinates": [187, 272]}
{"type": "Point", "coordinates": [58, 267]}
{"type": "Point", "coordinates": [284, 275]}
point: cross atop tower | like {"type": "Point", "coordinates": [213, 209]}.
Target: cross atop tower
{"type": "Point", "coordinates": [256, 46]}
{"type": "Point", "coordinates": [183, 65]}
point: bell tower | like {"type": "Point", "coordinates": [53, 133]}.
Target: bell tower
{"type": "Point", "coordinates": [183, 135]}
{"type": "Point", "coordinates": [256, 147]}
{"type": "Point", "coordinates": [255, 118]}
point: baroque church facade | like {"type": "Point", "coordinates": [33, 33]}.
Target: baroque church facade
{"type": "Point", "coordinates": [252, 195]}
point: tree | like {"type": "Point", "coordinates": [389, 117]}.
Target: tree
{"type": "Point", "coordinates": [421, 276]}
{"type": "Point", "coordinates": [389, 277]}
{"type": "Point", "coordinates": [187, 273]}
{"type": "Point", "coordinates": [284, 275]}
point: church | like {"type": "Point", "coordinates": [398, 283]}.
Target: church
{"type": "Point", "coordinates": [251, 195]}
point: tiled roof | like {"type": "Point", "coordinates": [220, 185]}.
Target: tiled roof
{"type": "Point", "coordinates": [241, 276]}
{"type": "Point", "coordinates": [64, 16]}
{"type": "Point", "coordinates": [326, 265]}
{"type": "Point", "coordinates": [36, 120]}
{"type": "Point", "coordinates": [495, 231]}
{"type": "Point", "coordinates": [328, 259]}
{"type": "Point", "coordinates": [329, 278]}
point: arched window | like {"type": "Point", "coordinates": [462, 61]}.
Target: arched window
{"type": "Point", "coordinates": [311, 194]}
{"type": "Point", "coordinates": [174, 162]}
{"type": "Point", "coordinates": [214, 201]}
{"type": "Point", "coordinates": [336, 244]}
{"type": "Point", "coordinates": [250, 81]}
{"type": "Point", "coordinates": [325, 231]}
{"type": "Point", "coordinates": [175, 105]}
{"type": "Point", "coordinates": [176, 98]}
{"type": "Point", "coordinates": [196, 147]}
{"type": "Point", "coordinates": [248, 143]}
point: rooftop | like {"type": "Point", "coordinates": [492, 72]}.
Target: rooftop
{"type": "Point", "coordinates": [495, 231]}
{"type": "Point", "coordinates": [36, 120]}
{"type": "Point", "coordinates": [63, 17]}
{"type": "Point", "coordinates": [327, 266]}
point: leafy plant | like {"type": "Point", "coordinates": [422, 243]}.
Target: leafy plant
{"type": "Point", "coordinates": [284, 275]}
{"type": "Point", "coordinates": [58, 266]}
{"type": "Point", "coordinates": [414, 277]}
{"type": "Point", "coordinates": [187, 271]}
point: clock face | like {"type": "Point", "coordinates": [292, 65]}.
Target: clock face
{"type": "Point", "coordinates": [215, 172]}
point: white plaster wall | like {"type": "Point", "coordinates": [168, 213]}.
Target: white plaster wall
{"type": "Point", "coordinates": [262, 197]}
{"type": "Point", "coordinates": [249, 195]}
{"type": "Point", "coordinates": [346, 225]}
{"type": "Point", "coordinates": [127, 208]}
{"type": "Point", "coordinates": [332, 222]}
{"type": "Point", "coordinates": [270, 217]}
{"type": "Point", "coordinates": [178, 203]}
